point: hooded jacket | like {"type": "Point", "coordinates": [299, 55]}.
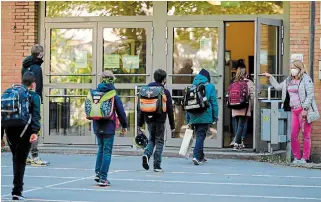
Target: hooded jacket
{"type": "Point", "coordinates": [142, 117]}
{"type": "Point", "coordinates": [33, 65]}
{"type": "Point", "coordinates": [107, 127]}
{"type": "Point", "coordinates": [211, 114]}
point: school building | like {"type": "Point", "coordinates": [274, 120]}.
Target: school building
{"type": "Point", "coordinates": [134, 38]}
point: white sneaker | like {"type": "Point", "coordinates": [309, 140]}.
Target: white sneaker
{"type": "Point", "coordinates": [302, 161]}
{"type": "Point", "coordinates": [296, 161]}
{"type": "Point", "coordinates": [233, 142]}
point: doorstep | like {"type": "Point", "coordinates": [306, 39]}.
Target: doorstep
{"type": "Point", "coordinates": [225, 153]}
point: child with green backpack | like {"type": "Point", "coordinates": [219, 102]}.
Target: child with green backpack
{"type": "Point", "coordinates": [101, 106]}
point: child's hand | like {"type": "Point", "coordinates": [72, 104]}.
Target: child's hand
{"type": "Point", "coordinates": [124, 131]}
{"type": "Point", "coordinates": [33, 138]}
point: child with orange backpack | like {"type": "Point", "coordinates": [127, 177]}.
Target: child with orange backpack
{"type": "Point", "coordinates": [154, 104]}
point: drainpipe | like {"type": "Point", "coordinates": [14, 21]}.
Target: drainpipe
{"type": "Point", "coordinates": [312, 36]}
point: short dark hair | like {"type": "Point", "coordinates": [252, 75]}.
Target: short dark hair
{"type": "Point", "coordinates": [28, 78]}
{"type": "Point", "coordinates": [159, 75]}
{"type": "Point", "coordinates": [36, 50]}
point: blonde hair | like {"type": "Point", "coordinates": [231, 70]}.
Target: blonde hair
{"type": "Point", "coordinates": [107, 77]}
{"type": "Point", "coordinates": [300, 65]}
{"type": "Point", "coordinates": [239, 75]}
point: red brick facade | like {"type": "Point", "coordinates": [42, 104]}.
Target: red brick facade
{"type": "Point", "coordinates": [20, 28]}
{"type": "Point", "coordinates": [299, 43]}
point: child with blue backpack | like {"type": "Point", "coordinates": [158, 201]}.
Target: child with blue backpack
{"type": "Point", "coordinates": [104, 122]}
{"type": "Point", "coordinates": [20, 118]}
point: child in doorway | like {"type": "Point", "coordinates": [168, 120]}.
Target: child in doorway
{"type": "Point", "coordinates": [105, 131]}
{"type": "Point", "coordinates": [156, 125]}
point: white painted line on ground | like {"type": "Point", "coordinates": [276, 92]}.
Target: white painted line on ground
{"type": "Point", "coordinates": [54, 177]}
{"type": "Point", "coordinates": [219, 183]}
{"type": "Point", "coordinates": [11, 186]}
{"type": "Point", "coordinates": [48, 200]}
{"type": "Point", "coordinates": [30, 190]}
{"type": "Point", "coordinates": [189, 194]}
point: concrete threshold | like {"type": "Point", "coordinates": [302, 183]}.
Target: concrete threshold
{"type": "Point", "coordinates": [225, 153]}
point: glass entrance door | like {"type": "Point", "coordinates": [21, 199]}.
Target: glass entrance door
{"type": "Point", "coordinates": [126, 49]}
{"type": "Point", "coordinates": [268, 58]}
{"type": "Point", "coordinates": [76, 55]}
{"type": "Point", "coordinates": [70, 71]}
{"type": "Point", "coordinates": [191, 47]}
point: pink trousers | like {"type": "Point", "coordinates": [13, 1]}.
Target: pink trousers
{"type": "Point", "coordinates": [297, 124]}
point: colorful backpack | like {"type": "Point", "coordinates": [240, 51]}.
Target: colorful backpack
{"type": "Point", "coordinates": [195, 99]}
{"type": "Point", "coordinates": [152, 99]}
{"type": "Point", "coordinates": [238, 95]}
{"type": "Point", "coordinates": [100, 105]}
{"type": "Point", "coordinates": [15, 107]}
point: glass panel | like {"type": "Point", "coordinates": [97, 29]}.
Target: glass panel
{"type": "Point", "coordinates": [268, 56]}
{"type": "Point", "coordinates": [223, 7]}
{"type": "Point", "coordinates": [98, 8]}
{"type": "Point", "coordinates": [71, 53]}
{"type": "Point", "coordinates": [127, 97]}
{"type": "Point", "coordinates": [194, 49]}
{"type": "Point", "coordinates": [125, 53]}
{"type": "Point", "coordinates": [67, 114]}
{"type": "Point", "coordinates": [180, 121]}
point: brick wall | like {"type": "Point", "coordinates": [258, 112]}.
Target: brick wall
{"type": "Point", "coordinates": [299, 43]}
{"type": "Point", "coordinates": [19, 32]}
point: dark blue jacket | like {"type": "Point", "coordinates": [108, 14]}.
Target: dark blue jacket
{"type": "Point", "coordinates": [107, 127]}
{"type": "Point", "coordinates": [33, 65]}
{"type": "Point", "coordinates": [142, 117]}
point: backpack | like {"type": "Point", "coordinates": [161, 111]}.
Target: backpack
{"type": "Point", "coordinates": [15, 107]}
{"type": "Point", "coordinates": [238, 95]}
{"type": "Point", "coordinates": [195, 99]}
{"type": "Point", "coordinates": [152, 99]}
{"type": "Point", "coordinates": [100, 105]}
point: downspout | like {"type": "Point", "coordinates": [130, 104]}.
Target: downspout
{"type": "Point", "coordinates": [312, 35]}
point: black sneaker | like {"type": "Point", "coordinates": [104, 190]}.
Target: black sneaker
{"type": "Point", "coordinates": [97, 177]}
{"type": "Point", "coordinates": [158, 169]}
{"type": "Point", "coordinates": [237, 147]}
{"type": "Point", "coordinates": [196, 162]}
{"type": "Point", "coordinates": [18, 198]}
{"type": "Point", "coordinates": [104, 183]}
{"type": "Point", "coordinates": [204, 160]}
{"type": "Point", "coordinates": [145, 162]}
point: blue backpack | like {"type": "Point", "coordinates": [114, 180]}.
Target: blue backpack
{"type": "Point", "coordinates": [15, 107]}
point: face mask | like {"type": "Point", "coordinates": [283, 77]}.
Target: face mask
{"type": "Point", "coordinates": [294, 72]}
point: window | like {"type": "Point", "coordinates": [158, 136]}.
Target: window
{"type": "Point", "coordinates": [98, 8]}
{"type": "Point", "coordinates": [224, 7]}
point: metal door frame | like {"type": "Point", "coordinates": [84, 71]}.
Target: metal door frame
{"type": "Point", "coordinates": [257, 144]}
{"type": "Point", "coordinates": [216, 143]}
{"type": "Point", "coordinates": [90, 139]}
{"type": "Point", "coordinates": [127, 141]}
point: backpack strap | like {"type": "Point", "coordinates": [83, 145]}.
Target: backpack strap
{"type": "Point", "coordinates": [26, 127]}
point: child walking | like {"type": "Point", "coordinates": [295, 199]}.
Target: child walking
{"type": "Point", "coordinates": [156, 123]}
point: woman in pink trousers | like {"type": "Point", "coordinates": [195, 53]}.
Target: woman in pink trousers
{"type": "Point", "coordinates": [298, 96]}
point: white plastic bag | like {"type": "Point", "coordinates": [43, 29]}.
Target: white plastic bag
{"type": "Point", "coordinates": [186, 143]}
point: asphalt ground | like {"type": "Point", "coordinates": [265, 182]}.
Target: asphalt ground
{"type": "Point", "coordinates": [70, 178]}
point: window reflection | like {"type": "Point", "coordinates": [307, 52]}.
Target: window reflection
{"type": "Point", "coordinates": [223, 7]}
{"type": "Point", "coordinates": [98, 8]}
{"type": "Point", "coordinates": [71, 53]}
{"type": "Point", "coordinates": [194, 49]}
{"type": "Point", "coordinates": [125, 53]}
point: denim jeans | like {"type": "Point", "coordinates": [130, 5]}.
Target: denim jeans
{"type": "Point", "coordinates": [200, 131]}
{"type": "Point", "coordinates": [105, 148]}
{"type": "Point", "coordinates": [241, 127]}
{"type": "Point", "coordinates": [235, 125]}
{"type": "Point", "coordinates": [156, 139]}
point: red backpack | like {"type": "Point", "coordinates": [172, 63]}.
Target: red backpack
{"type": "Point", "coordinates": [238, 95]}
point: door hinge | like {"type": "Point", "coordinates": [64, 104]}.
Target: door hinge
{"type": "Point", "coordinates": [282, 48]}
{"type": "Point", "coordinates": [166, 33]}
{"type": "Point", "coordinates": [166, 48]}
{"type": "Point", "coordinates": [282, 32]}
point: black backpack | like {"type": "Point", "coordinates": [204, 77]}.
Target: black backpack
{"type": "Point", "coordinates": [195, 99]}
